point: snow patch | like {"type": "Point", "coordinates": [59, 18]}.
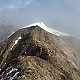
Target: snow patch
{"type": "Point", "coordinates": [12, 70]}
{"type": "Point", "coordinates": [57, 33]}
{"type": "Point", "coordinates": [11, 78]}
{"type": "Point", "coordinates": [10, 73]}
{"type": "Point", "coordinates": [11, 34]}
{"type": "Point", "coordinates": [24, 77]}
{"type": "Point", "coordinates": [16, 42]}
{"type": "Point", "coordinates": [40, 24]}
{"type": "Point", "coordinates": [43, 26]}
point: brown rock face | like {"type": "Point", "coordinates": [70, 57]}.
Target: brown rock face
{"type": "Point", "coordinates": [34, 54]}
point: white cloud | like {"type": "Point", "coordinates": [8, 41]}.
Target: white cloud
{"type": "Point", "coordinates": [11, 6]}
{"type": "Point", "coordinates": [28, 2]}
{"type": "Point", "coordinates": [16, 4]}
{"type": "Point", "coordinates": [5, 7]}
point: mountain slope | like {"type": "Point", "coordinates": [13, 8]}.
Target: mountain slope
{"type": "Point", "coordinates": [36, 54]}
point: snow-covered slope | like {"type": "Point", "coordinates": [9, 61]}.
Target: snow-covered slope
{"type": "Point", "coordinates": [43, 26]}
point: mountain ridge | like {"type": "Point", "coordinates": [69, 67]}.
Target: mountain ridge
{"type": "Point", "coordinates": [43, 26]}
{"type": "Point", "coordinates": [33, 50]}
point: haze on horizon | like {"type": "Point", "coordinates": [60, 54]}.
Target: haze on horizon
{"type": "Point", "coordinates": [63, 15]}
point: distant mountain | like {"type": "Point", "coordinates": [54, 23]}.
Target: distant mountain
{"type": "Point", "coordinates": [37, 52]}
{"type": "Point", "coordinates": [6, 29]}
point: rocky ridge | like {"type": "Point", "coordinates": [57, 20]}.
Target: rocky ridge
{"type": "Point", "coordinates": [34, 53]}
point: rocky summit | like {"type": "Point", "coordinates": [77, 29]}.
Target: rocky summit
{"type": "Point", "coordinates": [33, 53]}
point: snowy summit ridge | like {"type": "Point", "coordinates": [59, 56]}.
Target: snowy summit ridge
{"type": "Point", "coordinates": [52, 31]}
{"type": "Point", "coordinates": [40, 24]}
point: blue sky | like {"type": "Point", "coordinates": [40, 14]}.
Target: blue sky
{"type": "Point", "coordinates": [63, 15]}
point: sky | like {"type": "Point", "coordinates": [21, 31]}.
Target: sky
{"type": "Point", "coordinates": [63, 15]}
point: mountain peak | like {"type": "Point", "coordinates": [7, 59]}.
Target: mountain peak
{"type": "Point", "coordinates": [30, 53]}
{"type": "Point", "coordinates": [52, 31]}
{"type": "Point", "coordinates": [40, 24]}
